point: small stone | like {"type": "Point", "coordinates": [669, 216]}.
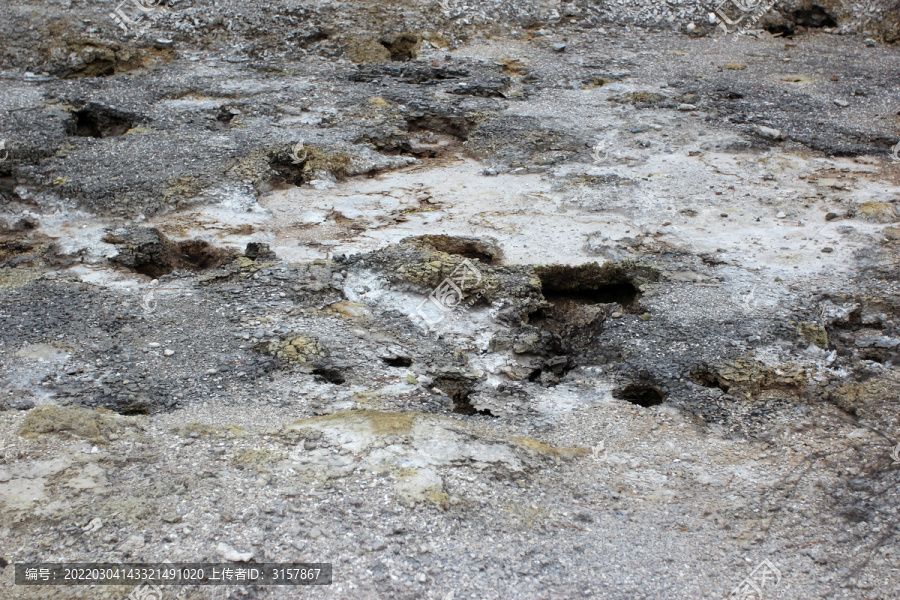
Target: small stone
{"type": "Point", "coordinates": [724, 215]}
{"type": "Point", "coordinates": [769, 132]}
{"type": "Point", "coordinates": [132, 544]}
{"type": "Point", "coordinates": [891, 233]}
{"type": "Point", "coordinates": [646, 316]}
{"type": "Point", "coordinates": [841, 103]}
{"type": "Point", "coordinates": [95, 524]}
{"type": "Point", "coordinates": [734, 66]}
{"type": "Point", "coordinates": [832, 216]}
{"type": "Point", "coordinates": [154, 344]}
{"type": "Point", "coordinates": [168, 352]}
{"type": "Point", "coordinates": [616, 315]}
{"type": "Point", "coordinates": [690, 27]}
{"type": "Point", "coordinates": [558, 47]}
{"type": "Point", "coordinates": [686, 107]}
{"type": "Point", "coordinates": [315, 533]}
{"type": "Point", "coordinates": [827, 249]}
{"type": "Point", "coordinates": [232, 555]}
{"type": "Point", "coordinates": [780, 215]}
{"type": "Point", "coordinates": [870, 43]}
{"type": "Point", "coordinates": [171, 518]}
{"type": "Point", "coordinates": [421, 578]}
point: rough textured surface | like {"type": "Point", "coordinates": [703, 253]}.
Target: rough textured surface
{"type": "Point", "coordinates": [473, 300]}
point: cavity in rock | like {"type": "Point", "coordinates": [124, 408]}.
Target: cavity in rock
{"type": "Point", "coordinates": [459, 388]}
{"type": "Point", "coordinates": [329, 375]}
{"type": "Point", "coordinates": [95, 120]}
{"type": "Point", "coordinates": [642, 394]}
{"type": "Point", "coordinates": [147, 251]}
{"type": "Point", "coordinates": [397, 361]}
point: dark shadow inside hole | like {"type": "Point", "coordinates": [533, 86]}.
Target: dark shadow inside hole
{"type": "Point", "coordinates": [200, 254]}
{"type": "Point", "coordinates": [98, 122]}
{"type": "Point", "coordinates": [814, 17]}
{"type": "Point", "coordinates": [454, 126]}
{"type": "Point", "coordinates": [403, 47]}
{"type": "Point", "coordinates": [471, 248]}
{"type": "Point", "coordinates": [641, 394]}
{"type": "Point", "coordinates": [589, 284]}
{"type": "Point", "coordinates": [329, 375]}
{"type": "Point", "coordinates": [708, 379]}
{"type": "Point", "coordinates": [459, 389]}
{"type": "Point", "coordinates": [783, 30]}
{"type": "Point", "coordinates": [398, 361]}
{"type": "Point", "coordinates": [620, 293]}
{"type": "Point", "coordinates": [133, 408]}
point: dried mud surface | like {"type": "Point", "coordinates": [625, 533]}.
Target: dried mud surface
{"type": "Point", "coordinates": [675, 347]}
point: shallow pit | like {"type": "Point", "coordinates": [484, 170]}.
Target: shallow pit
{"type": "Point", "coordinates": [642, 394]}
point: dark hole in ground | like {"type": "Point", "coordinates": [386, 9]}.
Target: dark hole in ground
{"type": "Point", "coordinates": [199, 254]}
{"type": "Point", "coordinates": [404, 46]}
{"type": "Point", "coordinates": [642, 394]}
{"type": "Point", "coordinates": [856, 514]}
{"type": "Point", "coordinates": [454, 126]}
{"type": "Point", "coordinates": [308, 37]}
{"type": "Point", "coordinates": [433, 135]}
{"type": "Point", "coordinates": [485, 250]}
{"type": "Point", "coordinates": [225, 115]}
{"type": "Point", "coordinates": [619, 293]}
{"type": "Point", "coordinates": [300, 163]}
{"type": "Point", "coordinates": [133, 408]}
{"type": "Point", "coordinates": [459, 388]}
{"type": "Point", "coordinates": [708, 379]}
{"type": "Point", "coordinates": [147, 251]}
{"type": "Point", "coordinates": [589, 284]}
{"type": "Point", "coordinates": [100, 122]}
{"type": "Point", "coordinates": [398, 361]}
{"type": "Point", "coordinates": [812, 18]}
{"type": "Point", "coordinates": [579, 300]}
{"type": "Point", "coordinates": [782, 29]}
{"type": "Point", "coordinates": [329, 375]}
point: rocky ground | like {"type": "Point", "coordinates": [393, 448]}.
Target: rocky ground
{"type": "Point", "coordinates": [494, 301]}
